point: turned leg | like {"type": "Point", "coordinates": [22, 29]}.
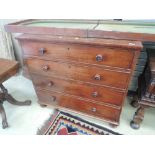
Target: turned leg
{"type": "Point", "coordinates": [5, 96]}
{"type": "Point", "coordinates": [138, 118]}
{"type": "Point", "coordinates": [13, 101]}
{"type": "Point", "coordinates": [4, 120]}
{"type": "Point", "coordinates": [134, 102]}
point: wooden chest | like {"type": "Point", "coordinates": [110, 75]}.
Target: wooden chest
{"type": "Point", "coordinates": [84, 65]}
{"type": "Point", "coordinates": [86, 75]}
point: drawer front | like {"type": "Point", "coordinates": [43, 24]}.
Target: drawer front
{"type": "Point", "coordinates": [92, 92]}
{"type": "Point", "coordinates": [78, 72]}
{"type": "Point", "coordinates": [87, 54]}
{"type": "Point", "coordinates": [70, 102]}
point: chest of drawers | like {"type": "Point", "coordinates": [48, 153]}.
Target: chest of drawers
{"type": "Point", "coordinates": [86, 75]}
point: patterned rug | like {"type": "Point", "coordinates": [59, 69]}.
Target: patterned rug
{"type": "Point", "coordinates": [62, 123]}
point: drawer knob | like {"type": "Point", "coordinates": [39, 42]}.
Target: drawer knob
{"type": "Point", "coordinates": [95, 94]}
{"type": "Point", "coordinates": [42, 51]}
{"type": "Point", "coordinates": [53, 98]}
{"type": "Point", "coordinates": [45, 68]}
{"type": "Point", "coordinates": [50, 84]}
{"type": "Point", "coordinates": [93, 109]}
{"type": "Point", "coordinates": [97, 77]}
{"type": "Point", "coordinates": [99, 58]}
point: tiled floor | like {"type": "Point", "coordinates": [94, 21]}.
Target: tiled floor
{"type": "Point", "coordinates": [27, 119]}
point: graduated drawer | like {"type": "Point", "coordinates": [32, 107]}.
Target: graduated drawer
{"type": "Point", "coordinates": [76, 104]}
{"type": "Point", "coordinates": [91, 92]}
{"type": "Point", "coordinates": [84, 73]}
{"type": "Point", "coordinates": [115, 57]}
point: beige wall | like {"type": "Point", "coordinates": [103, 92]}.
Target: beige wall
{"type": "Point", "coordinates": [16, 46]}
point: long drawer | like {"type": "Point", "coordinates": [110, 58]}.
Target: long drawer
{"type": "Point", "coordinates": [81, 53]}
{"type": "Point", "coordinates": [76, 104]}
{"type": "Point", "coordinates": [84, 73]}
{"type": "Point", "coordinates": [89, 91]}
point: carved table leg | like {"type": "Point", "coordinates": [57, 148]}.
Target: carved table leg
{"type": "Point", "coordinates": [13, 101]}
{"type": "Point", "coordinates": [138, 118]}
{"type": "Point", "coordinates": [4, 120]}
{"type": "Point", "coordinates": [10, 99]}
{"type": "Point", "coordinates": [5, 96]}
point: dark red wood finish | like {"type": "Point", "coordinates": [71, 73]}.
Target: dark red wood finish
{"type": "Point", "coordinates": [89, 91]}
{"type": "Point", "coordinates": [80, 72]}
{"type": "Point", "coordinates": [20, 27]}
{"type": "Point", "coordinates": [81, 53]}
{"type": "Point", "coordinates": [86, 75]}
{"type": "Point", "coordinates": [61, 100]}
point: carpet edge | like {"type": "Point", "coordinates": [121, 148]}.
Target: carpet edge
{"type": "Point", "coordinates": [43, 129]}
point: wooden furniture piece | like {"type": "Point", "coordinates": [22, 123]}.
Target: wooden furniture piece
{"type": "Point", "coordinates": [145, 96]}
{"type": "Point", "coordinates": [90, 76]}
{"type": "Point", "coordinates": [7, 69]}
{"type": "Point", "coordinates": [140, 30]}
{"type": "Point", "coordinates": [82, 66]}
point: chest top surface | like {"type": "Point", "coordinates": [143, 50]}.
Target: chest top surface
{"type": "Point", "coordinates": [128, 44]}
{"type": "Point", "coordinates": [126, 29]}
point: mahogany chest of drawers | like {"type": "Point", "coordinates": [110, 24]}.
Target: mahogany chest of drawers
{"type": "Point", "coordinates": [86, 75]}
{"type": "Point", "coordinates": [84, 65]}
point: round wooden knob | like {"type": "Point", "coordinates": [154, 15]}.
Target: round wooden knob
{"type": "Point", "coordinates": [97, 77]}
{"type": "Point", "coordinates": [50, 84]}
{"type": "Point", "coordinates": [53, 98]}
{"type": "Point", "coordinates": [94, 94]}
{"type": "Point", "coordinates": [93, 109]}
{"type": "Point", "coordinates": [42, 51]}
{"type": "Point", "coordinates": [99, 58]}
{"type": "Point", "coordinates": [45, 68]}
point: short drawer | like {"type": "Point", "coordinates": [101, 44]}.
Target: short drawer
{"type": "Point", "coordinates": [88, 91]}
{"type": "Point", "coordinates": [72, 103]}
{"type": "Point", "coordinates": [84, 73]}
{"type": "Point", "coordinates": [114, 57]}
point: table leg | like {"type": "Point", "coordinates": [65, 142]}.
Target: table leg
{"type": "Point", "coordinates": [12, 100]}
{"type": "Point", "coordinates": [4, 119]}
{"type": "Point", "coordinates": [134, 102]}
{"type": "Point", "coordinates": [138, 118]}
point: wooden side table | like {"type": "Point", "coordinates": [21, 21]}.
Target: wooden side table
{"type": "Point", "coordinates": [146, 92]}
{"type": "Point", "coordinates": [7, 69]}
